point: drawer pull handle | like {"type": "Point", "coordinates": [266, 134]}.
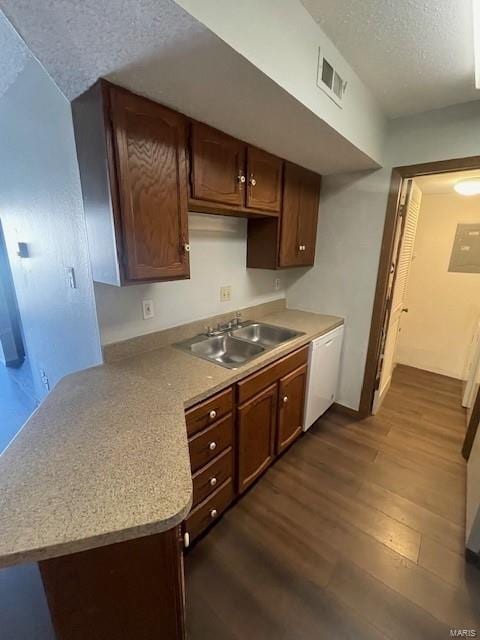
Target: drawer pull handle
{"type": "Point", "coordinates": [213, 482]}
{"type": "Point", "coordinates": [285, 399]}
{"type": "Point", "coordinates": [212, 446]}
{"type": "Point", "coordinates": [213, 513]}
{"type": "Point", "coordinates": [212, 414]}
{"type": "Point", "coordinates": [186, 539]}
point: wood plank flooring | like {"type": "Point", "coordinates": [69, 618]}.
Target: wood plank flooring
{"type": "Point", "coordinates": [356, 532]}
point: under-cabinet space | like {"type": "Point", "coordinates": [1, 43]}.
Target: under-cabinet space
{"type": "Point", "coordinates": [289, 241]}
{"type": "Point", "coordinates": [133, 170]}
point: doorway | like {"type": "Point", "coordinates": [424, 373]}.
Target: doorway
{"type": "Point", "coordinates": [390, 308]}
{"type": "Point", "coordinates": [17, 396]}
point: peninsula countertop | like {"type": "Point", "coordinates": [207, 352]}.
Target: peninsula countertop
{"type": "Point", "coordinates": [105, 457]}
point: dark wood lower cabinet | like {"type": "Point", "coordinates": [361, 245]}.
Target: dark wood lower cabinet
{"type": "Point", "coordinates": [291, 408]}
{"type": "Point", "coordinates": [256, 422]}
{"type": "Point", "coordinates": [227, 456]}
{"type": "Point", "coordinates": [132, 589]}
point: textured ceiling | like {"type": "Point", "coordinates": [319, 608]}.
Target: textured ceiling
{"type": "Point", "coordinates": [415, 55]}
{"type": "Point", "coordinates": [13, 58]}
{"type": "Point", "coordinates": [155, 48]}
{"type": "Point", "coordinates": [443, 183]}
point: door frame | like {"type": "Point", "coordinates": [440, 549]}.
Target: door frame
{"type": "Point", "coordinates": [398, 175]}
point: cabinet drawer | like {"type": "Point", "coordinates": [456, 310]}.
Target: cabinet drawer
{"type": "Point", "coordinates": [207, 412]}
{"type": "Point", "coordinates": [209, 478]}
{"type": "Point", "coordinates": [207, 444]}
{"type": "Point", "coordinates": [208, 511]}
{"type": "Point", "coordinates": [253, 384]}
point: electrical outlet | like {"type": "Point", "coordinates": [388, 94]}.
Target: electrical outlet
{"type": "Point", "coordinates": [225, 293]}
{"type": "Point", "coordinates": [148, 310]}
{"type": "Point", "coordinates": [277, 284]}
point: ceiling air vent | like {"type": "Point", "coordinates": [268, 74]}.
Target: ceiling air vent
{"type": "Point", "coordinates": [329, 80]}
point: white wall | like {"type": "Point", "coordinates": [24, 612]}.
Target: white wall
{"type": "Point", "coordinates": [443, 307]}
{"type": "Point", "coordinates": [40, 204]}
{"type": "Point", "coordinates": [352, 212]}
{"type": "Point", "coordinates": [217, 258]}
{"type": "Point", "coordinates": [282, 39]}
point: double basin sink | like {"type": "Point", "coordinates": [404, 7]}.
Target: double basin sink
{"type": "Point", "coordinates": [237, 346]}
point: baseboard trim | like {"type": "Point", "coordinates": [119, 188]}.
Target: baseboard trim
{"type": "Point", "coordinates": [472, 558]}
{"type": "Point", "coordinates": [347, 411]}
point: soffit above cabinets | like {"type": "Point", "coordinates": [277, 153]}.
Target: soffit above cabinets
{"type": "Point", "coordinates": [157, 49]}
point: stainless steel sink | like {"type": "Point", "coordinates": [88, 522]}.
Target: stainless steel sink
{"type": "Point", "coordinates": [226, 350]}
{"type": "Point", "coordinates": [231, 347]}
{"type": "Point", "coordinates": [266, 335]}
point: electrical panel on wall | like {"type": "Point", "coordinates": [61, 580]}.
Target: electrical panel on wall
{"type": "Point", "coordinates": [329, 79]}
{"type": "Point", "coordinates": [465, 256]}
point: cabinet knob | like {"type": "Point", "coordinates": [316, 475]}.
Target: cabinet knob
{"type": "Point", "coordinates": [252, 182]}
{"type": "Point", "coordinates": [212, 414]}
{"type": "Point", "coordinates": [213, 481]}
{"type": "Point", "coordinates": [186, 539]}
{"type": "Point", "coordinates": [213, 513]}
{"type": "Point", "coordinates": [186, 247]}
{"type": "Point", "coordinates": [212, 446]}
{"type": "Point", "coordinates": [241, 178]}
{"type": "Point", "coordinates": [285, 399]}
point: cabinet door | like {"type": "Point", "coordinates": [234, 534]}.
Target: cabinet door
{"type": "Point", "coordinates": [152, 183]}
{"type": "Point", "coordinates": [217, 166]}
{"type": "Point", "coordinates": [256, 431]}
{"type": "Point", "coordinates": [308, 215]}
{"type": "Point", "coordinates": [299, 217]}
{"type": "Point", "coordinates": [291, 407]}
{"type": "Point", "coordinates": [264, 180]}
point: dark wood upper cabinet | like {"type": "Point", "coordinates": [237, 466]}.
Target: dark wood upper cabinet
{"type": "Point", "coordinates": [132, 159]}
{"type": "Point", "coordinates": [217, 166]}
{"type": "Point", "coordinates": [291, 407]}
{"type": "Point", "coordinates": [298, 229]}
{"type": "Point", "coordinates": [143, 166]}
{"type": "Point", "coordinates": [289, 241]}
{"type": "Point", "coordinates": [231, 178]}
{"type": "Point", "coordinates": [264, 180]}
{"type": "Point", "coordinates": [256, 423]}
{"type": "Point", "coordinates": [151, 167]}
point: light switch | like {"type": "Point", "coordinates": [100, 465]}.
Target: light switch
{"type": "Point", "coordinates": [71, 277]}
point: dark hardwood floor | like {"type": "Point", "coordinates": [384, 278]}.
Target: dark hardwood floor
{"type": "Point", "coordinates": [356, 532]}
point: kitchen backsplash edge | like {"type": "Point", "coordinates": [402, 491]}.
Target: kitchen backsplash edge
{"type": "Point", "coordinates": [151, 341]}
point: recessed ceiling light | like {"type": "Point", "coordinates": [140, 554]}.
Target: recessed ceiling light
{"type": "Point", "coordinates": [468, 187]}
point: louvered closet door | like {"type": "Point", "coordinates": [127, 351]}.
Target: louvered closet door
{"type": "Point", "coordinates": [400, 272]}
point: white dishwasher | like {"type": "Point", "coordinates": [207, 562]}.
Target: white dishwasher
{"type": "Point", "coordinates": [323, 371]}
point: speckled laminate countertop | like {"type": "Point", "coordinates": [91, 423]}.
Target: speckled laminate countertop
{"type": "Point", "coordinates": [105, 457]}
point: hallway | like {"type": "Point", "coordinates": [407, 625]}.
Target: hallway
{"type": "Point", "coordinates": [357, 532]}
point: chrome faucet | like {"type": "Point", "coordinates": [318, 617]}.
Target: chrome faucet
{"type": "Point", "coordinates": [223, 328]}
